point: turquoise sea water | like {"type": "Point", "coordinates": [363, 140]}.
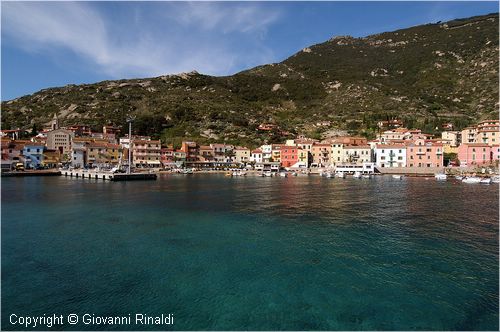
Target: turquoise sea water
{"type": "Point", "coordinates": [219, 253]}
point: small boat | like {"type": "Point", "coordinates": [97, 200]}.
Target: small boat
{"type": "Point", "coordinates": [267, 173]}
{"type": "Point", "coordinates": [283, 174]}
{"type": "Point", "coordinates": [239, 173]}
{"type": "Point", "coordinates": [471, 179]}
{"type": "Point", "coordinates": [187, 171]}
{"type": "Point", "coordinates": [485, 181]}
{"type": "Point", "coordinates": [397, 177]}
{"type": "Point", "coordinates": [228, 174]}
{"type": "Point", "coordinates": [495, 179]}
{"type": "Point", "coordinates": [366, 176]}
{"type": "Point", "coordinates": [459, 177]}
{"type": "Point", "coordinates": [330, 175]}
{"type": "Point", "coordinates": [340, 175]}
{"type": "Point", "coordinates": [440, 176]}
{"type": "Point", "coordinates": [357, 175]}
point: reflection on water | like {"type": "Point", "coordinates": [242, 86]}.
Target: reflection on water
{"type": "Point", "coordinates": [255, 253]}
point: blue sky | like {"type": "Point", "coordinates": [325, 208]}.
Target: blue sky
{"type": "Point", "coordinates": [47, 44]}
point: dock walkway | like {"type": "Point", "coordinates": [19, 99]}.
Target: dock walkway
{"type": "Point", "coordinates": [100, 175]}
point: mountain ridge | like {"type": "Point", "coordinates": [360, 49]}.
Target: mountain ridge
{"type": "Point", "coordinates": [425, 75]}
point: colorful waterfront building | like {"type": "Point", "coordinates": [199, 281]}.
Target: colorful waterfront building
{"type": "Point", "coordinates": [390, 155]}
{"type": "Point", "coordinates": [488, 132]}
{"type": "Point", "coordinates": [222, 152]}
{"type": "Point", "coordinates": [146, 153]}
{"type": "Point", "coordinates": [51, 158]}
{"type": "Point", "coordinates": [33, 155]}
{"type": "Point", "coordinates": [256, 156]}
{"type": "Point", "coordinates": [294, 156]}
{"type": "Point", "coordinates": [321, 154]}
{"type": "Point", "coordinates": [424, 153]}
{"type": "Point", "coordinates": [495, 153]}
{"type": "Point", "coordinates": [276, 152]}
{"type": "Point", "coordinates": [337, 152]}
{"type": "Point", "coordinates": [241, 154]}
{"type": "Point", "coordinates": [357, 154]}
{"type": "Point", "coordinates": [191, 149]}
{"type": "Point", "coordinates": [79, 152]}
{"type": "Point", "coordinates": [451, 138]}
{"type": "Point", "coordinates": [103, 153]}
{"type": "Point", "coordinates": [206, 153]}
{"type": "Point", "coordinates": [60, 139]}
{"type": "Point", "coordinates": [470, 154]}
{"type": "Point", "coordinates": [267, 150]}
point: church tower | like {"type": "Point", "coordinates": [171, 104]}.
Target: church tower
{"type": "Point", "coordinates": [54, 124]}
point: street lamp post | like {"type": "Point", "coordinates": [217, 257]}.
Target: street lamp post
{"type": "Point", "coordinates": [130, 119]}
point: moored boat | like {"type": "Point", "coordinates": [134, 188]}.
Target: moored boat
{"type": "Point", "coordinates": [440, 176]}
{"type": "Point", "coordinates": [357, 175]}
{"type": "Point", "coordinates": [397, 177]}
{"type": "Point", "coordinates": [366, 176]}
{"type": "Point", "coordinates": [485, 181]}
{"type": "Point", "coordinates": [267, 173]}
{"type": "Point", "coordinates": [495, 179]}
{"type": "Point", "coordinates": [340, 175]}
{"type": "Point", "coordinates": [283, 174]}
{"type": "Point", "coordinates": [329, 175]}
{"type": "Point", "coordinates": [471, 179]}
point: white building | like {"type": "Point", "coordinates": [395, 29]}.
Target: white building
{"type": "Point", "coordinates": [357, 154]}
{"type": "Point", "coordinates": [453, 138]}
{"type": "Point", "coordinates": [393, 155]}
{"type": "Point", "coordinates": [256, 156]}
{"type": "Point", "coordinates": [267, 152]}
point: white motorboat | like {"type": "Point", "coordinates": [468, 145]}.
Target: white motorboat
{"type": "Point", "coordinates": [283, 174]}
{"type": "Point", "coordinates": [357, 175]}
{"type": "Point", "coordinates": [495, 179]}
{"type": "Point", "coordinates": [366, 176]}
{"type": "Point", "coordinates": [397, 177]}
{"type": "Point", "coordinates": [239, 173]}
{"type": "Point", "coordinates": [340, 175]}
{"type": "Point", "coordinates": [485, 181]}
{"type": "Point", "coordinates": [471, 179]}
{"type": "Point", "coordinates": [459, 177]}
{"type": "Point", "coordinates": [440, 176]}
{"type": "Point", "coordinates": [267, 173]}
{"type": "Point", "coordinates": [329, 175]}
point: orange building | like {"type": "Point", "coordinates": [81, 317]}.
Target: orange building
{"type": "Point", "coordinates": [424, 153]}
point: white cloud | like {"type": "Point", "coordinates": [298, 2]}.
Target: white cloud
{"type": "Point", "coordinates": [241, 17]}
{"type": "Point", "coordinates": [137, 47]}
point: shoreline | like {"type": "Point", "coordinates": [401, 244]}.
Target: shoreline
{"type": "Point", "coordinates": [251, 173]}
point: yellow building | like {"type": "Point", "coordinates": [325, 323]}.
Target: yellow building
{"type": "Point", "coordinates": [337, 153]}
{"type": "Point", "coordinates": [99, 153]}
{"type": "Point", "coordinates": [447, 148]}
{"type": "Point", "coordinates": [51, 158]}
{"type": "Point", "coordinates": [276, 152]}
{"type": "Point", "coordinates": [241, 154]}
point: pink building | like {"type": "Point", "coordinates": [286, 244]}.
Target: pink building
{"type": "Point", "coordinates": [476, 154]}
{"type": "Point", "coordinates": [495, 153]}
{"type": "Point", "coordinates": [424, 153]}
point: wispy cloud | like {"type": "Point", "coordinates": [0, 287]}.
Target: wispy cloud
{"type": "Point", "coordinates": [228, 17]}
{"type": "Point", "coordinates": [156, 43]}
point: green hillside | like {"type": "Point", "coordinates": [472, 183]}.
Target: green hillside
{"type": "Point", "coordinates": [424, 75]}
